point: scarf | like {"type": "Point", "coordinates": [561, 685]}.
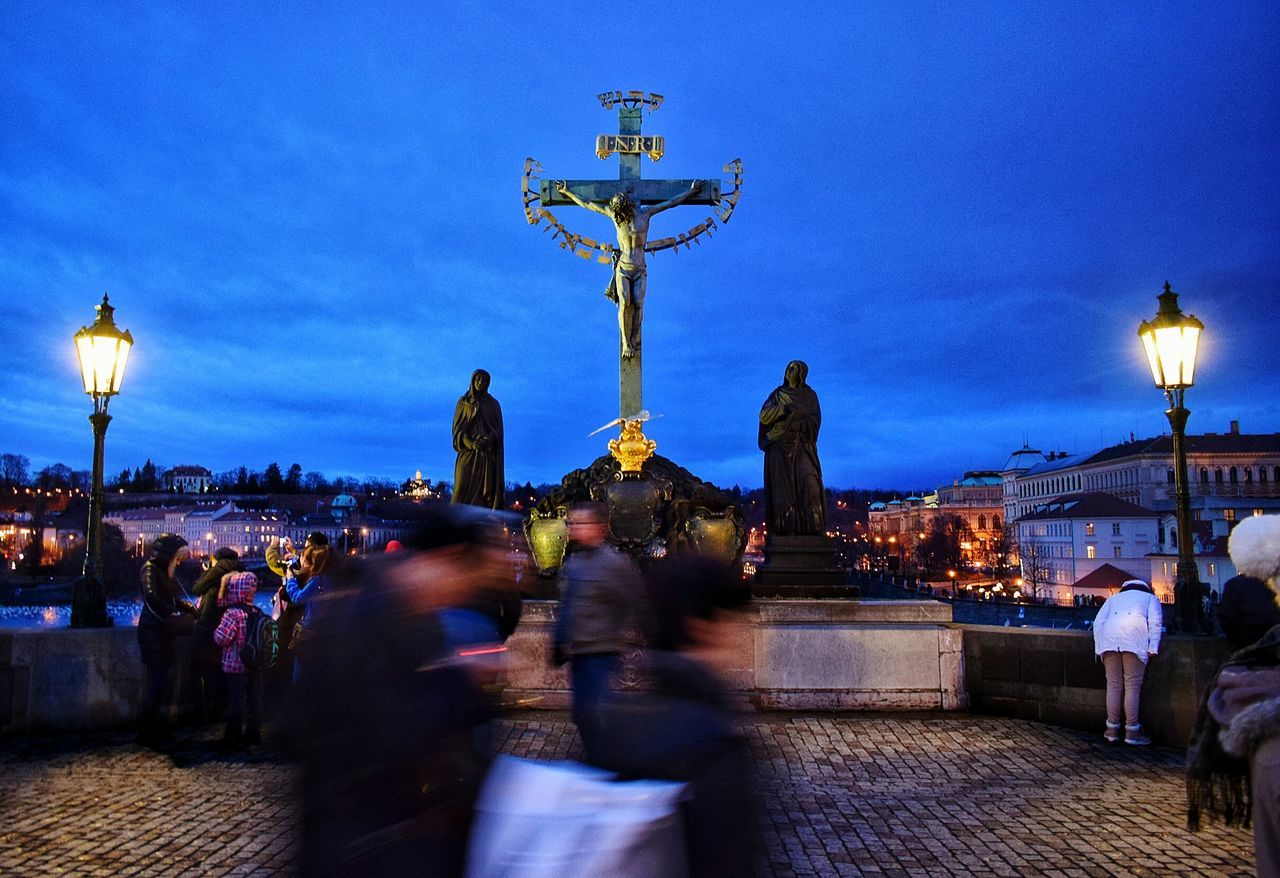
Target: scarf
{"type": "Point", "coordinates": [1217, 781]}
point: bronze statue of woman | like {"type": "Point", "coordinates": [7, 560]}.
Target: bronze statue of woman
{"type": "Point", "coordinates": [477, 437]}
{"type": "Point", "coordinates": [794, 500]}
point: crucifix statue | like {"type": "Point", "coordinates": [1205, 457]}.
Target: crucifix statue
{"type": "Point", "coordinates": [627, 287]}
{"type": "Point", "coordinates": [629, 202]}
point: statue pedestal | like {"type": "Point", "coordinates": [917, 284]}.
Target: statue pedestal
{"type": "Point", "coordinates": [801, 567]}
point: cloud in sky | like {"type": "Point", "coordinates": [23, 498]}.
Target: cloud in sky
{"type": "Point", "coordinates": [310, 222]}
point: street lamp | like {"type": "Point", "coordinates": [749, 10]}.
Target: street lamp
{"type": "Point", "coordinates": [1171, 340]}
{"type": "Point", "coordinates": [103, 351]}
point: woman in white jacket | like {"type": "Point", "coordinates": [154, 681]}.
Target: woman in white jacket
{"type": "Point", "coordinates": [1126, 633]}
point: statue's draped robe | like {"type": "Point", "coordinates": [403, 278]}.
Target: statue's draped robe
{"type": "Point", "coordinates": [478, 474]}
{"type": "Point", "coordinates": [794, 500]}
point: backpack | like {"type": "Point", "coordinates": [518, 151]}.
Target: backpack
{"type": "Point", "coordinates": [261, 640]}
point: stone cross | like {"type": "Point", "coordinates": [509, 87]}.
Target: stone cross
{"type": "Point", "coordinates": [630, 145]}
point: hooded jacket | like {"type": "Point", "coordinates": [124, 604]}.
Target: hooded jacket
{"type": "Point", "coordinates": [162, 600]}
{"type": "Point", "coordinates": [206, 587]}
{"type": "Point", "coordinates": [236, 596]}
{"type": "Point", "coordinates": [1130, 621]}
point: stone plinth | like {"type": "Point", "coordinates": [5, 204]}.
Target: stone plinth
{"type": "Point", "coordinates": [795, 655]}
{"type": "Point", "coordinates": [801, 567]}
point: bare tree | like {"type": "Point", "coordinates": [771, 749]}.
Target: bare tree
{"type": "Point", "coordinates": [1036, 569]}
{"type": "Point", "coordinates": [942, 542]}
{"type": "Point", "coordinates": [1001, 549]}
{"type": "Point", "coordinates": [14, 470]}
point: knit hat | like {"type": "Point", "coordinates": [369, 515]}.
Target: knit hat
{"type": "Point", "coordinates": [1255, 547]}
{"type": "Point", "coordinates": [1135, 585]}
{"type": "Point", "coordinates": [225, 553]}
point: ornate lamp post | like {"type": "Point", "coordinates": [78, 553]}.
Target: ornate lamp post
{"type": "Point", "coordinates": [103, 351]}
{"type": "Point", "coordinates": [1171, 340]}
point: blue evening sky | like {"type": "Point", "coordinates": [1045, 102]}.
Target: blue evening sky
{"type": "Point", "coordinates": [309, 217]}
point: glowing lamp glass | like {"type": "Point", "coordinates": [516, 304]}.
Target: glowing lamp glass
{"type": "Point", "coordinates": [103, 351]}
{"type": "Point", "coordinates": [1171, 341]}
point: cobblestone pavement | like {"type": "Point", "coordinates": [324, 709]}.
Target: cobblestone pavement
{"type": "Point", "coordinates": [862, 794]}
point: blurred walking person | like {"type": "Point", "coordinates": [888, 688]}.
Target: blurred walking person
{"type": "Point", "coordinates": [384, 716]}
{"type": "Point", "coordinates": [603, 598]}
{"type": "Point", "coordinates": [681, 726]}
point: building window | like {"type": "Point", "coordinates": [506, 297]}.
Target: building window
{"type": "Point", "coordinates": [1115, 552]}
{"type": "Point", "coordinates": [1262, 474]}
{"type": "Point", "coordinates": [1276, 472]}
{"type": "Point", "coordinates": [1234, 476]}
{"type": "Point", "coordinates": [1169, 475]}
{"type": "Point", "coordinates": [1164, 566]}
{"type": "Point", "coordinates": [1213, 569]}
{"type": "Point", "coordinates": [1091, 551]}
{"type": "Point", "coordinates": [982, 522]}
{"type": "Point", "coordinates": [995, 522]}
{"type": "Point", "coordinates": [1204, 475]}
{"type": "Point", "coordinates": [1217, 475]}
{"type": "Point", "coordinates": [1257, 512]}
{"type": "Point", "coordinates": [1115, 528]}
{"type": "Point", "coordinates": [1229, 515]}
{"type": "Point", "coordinates": [1088, 529]}
{"type": "Point", "coordinates": [1248, 475]}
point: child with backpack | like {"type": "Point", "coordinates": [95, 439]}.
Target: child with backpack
{"type": "Point", "coordinates": [245, 637]}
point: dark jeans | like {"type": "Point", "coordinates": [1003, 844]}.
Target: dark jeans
{"type": "Point", "coordinates": [209, 687]}
{"type": "Point", "coordinates": [244, 687]}
{"type": "Point", "coordinates": [590, 676]}
{"type": "Point", "coordinates": [157, 687]}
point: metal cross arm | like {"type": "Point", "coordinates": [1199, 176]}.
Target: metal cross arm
{"type": "Point", "coordinates": [643, 192]}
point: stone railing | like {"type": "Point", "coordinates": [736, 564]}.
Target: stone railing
{"type": "Point", "coordinates": [790, 655]}
{"type": "Point", "coordinates": [1053, 677]}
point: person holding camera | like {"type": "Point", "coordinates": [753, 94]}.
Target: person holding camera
{"type": "Point", "coordinates": [306, 578]}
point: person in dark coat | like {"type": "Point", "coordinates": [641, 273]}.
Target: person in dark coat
{"type": "Point", "coordinates": [681, 727]}
{"type": "Point", "coordinates": [603, 600]}
{"type": "Point", "coordinates": [1247, 611]}
{"type": "Point", "coordinates": [210, 687]}
{"type": "Point", "coordinates": [165, 616]}
{"type": "Point", "coordinates": [384, 721]}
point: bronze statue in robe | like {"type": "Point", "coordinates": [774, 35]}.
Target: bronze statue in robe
{"type": "Point", "coordinates": [794, 500]}
{"type": "Point", "coordinates": [477, 437]}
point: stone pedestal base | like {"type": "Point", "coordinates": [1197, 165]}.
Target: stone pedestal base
{"type": "Point", "coordinates": [801, 567]}
{"type": "Point", "coordinates": [792, 655]}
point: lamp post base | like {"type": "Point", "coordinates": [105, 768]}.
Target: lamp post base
{"type": "Point", "coordinates": [89, 604]}
{"type": "Point", "coordinates": [1188, 600]}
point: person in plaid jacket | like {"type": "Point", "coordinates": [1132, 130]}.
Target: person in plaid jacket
{"type": "Point", "coordinates": [243, 685]}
